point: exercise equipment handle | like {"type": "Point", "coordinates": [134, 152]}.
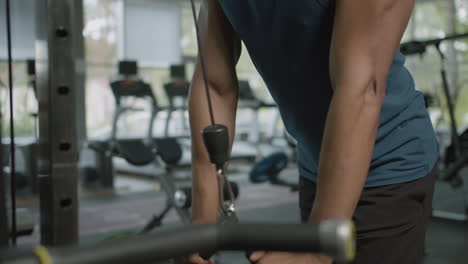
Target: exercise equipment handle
{"type": "Point", "coordinates": [335, 238]}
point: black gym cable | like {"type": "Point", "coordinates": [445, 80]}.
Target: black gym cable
{"type": "Point", "coordinates": [12, 130]}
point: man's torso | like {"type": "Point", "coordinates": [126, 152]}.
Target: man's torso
{"type": "Point", "coordinates": [289, 42]}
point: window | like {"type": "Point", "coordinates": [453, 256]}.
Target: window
{"type": "Point", "coordinates": [117, 29]}
{"type": "Point", "coordinates": [23, 38]}
{"type": "Point", "coordinates": [23, 29]}
{"type": "Point", "coordinates": [152, 32]}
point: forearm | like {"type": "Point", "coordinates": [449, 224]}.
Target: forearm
{"type": "Point", "coordinates": [205, 186]}
{"type": "Point", "coordinates": [346, 152]}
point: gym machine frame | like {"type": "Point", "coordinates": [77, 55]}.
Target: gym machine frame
{"type": "Point", "coordinates": [59, 48]}
{"type": "Point", "coordinates": [4, 230]}
{"type": "Point", "coordinates": [451, 173]}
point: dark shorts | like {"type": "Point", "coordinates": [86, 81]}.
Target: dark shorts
{"type": "Point", "coordinates": [391, 220]}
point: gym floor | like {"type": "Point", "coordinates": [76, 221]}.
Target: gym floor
{"type": "Point", "coordinates": [135, 199]}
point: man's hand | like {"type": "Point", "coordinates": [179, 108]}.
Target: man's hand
{"type": "Point", "coordinates": [289, 258]}
{"type": "Point", "coordinates": [193, 259]}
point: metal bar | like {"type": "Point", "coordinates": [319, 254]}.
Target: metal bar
{"type": "Point", "coordinates": [115, 120]}
{"type": "Point", "coordinates": [450, 37]}
{"type": "Point", "coordinates": [419, 46]}
{"type": "Point", "coordinates": [104, 165]}
{"type": "Point", "coordinates": [169, 187]}
{"type": "Point", "coordinates": [449, 215]}
{"type": "Point", "coordinates": [154, 113]}
{"type": "Point", "coordinates": [56, 44]}
{"type": "Point", "coordinates": [12, 129]}
{"type": "Point", "coordinates": [335, 238]}
{"type": "Point", "coordinates": [438, 40]}
{"type": "Point", "coordinates": [451, 172]}
{"type": "Point", "coordinates": [169, 112]}
{"type": "Point", "coordinates": [3, 210]}
{"type": "Point", "coordinates": [450, 104]}
{"type": "Point", "coordinates": [80, 71]}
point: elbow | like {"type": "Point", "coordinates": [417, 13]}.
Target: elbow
{"type": "Point", "coordinates": [222, 89]}
{"type": "Point", "coordinates": [367, 90]}
{"type": "Point", "coordinates": [374, 93]}
{"type": "Point", "coordinates": [217, 86]}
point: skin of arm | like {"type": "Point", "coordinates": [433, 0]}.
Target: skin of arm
{"type": "Point", "coordinates": [366, 36]}
{"type": "Point", "coordinates": [221, 50]}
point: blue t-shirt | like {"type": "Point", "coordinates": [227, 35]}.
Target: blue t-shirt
{"type": "Point", "coordinates": [289, 43]}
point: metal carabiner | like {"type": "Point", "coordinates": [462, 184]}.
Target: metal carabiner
{"type": "Point", "coordinates": [227, 207]}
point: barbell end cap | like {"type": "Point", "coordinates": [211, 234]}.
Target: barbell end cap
{"type": "Point", "coordinates": [337, 239]}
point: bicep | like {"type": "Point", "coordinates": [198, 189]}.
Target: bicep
{"type": "Point", "coordinates": [221, 45]}
{"type": "Point", "coordinates": [366, 36]}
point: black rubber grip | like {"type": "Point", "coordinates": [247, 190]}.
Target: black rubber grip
{"type": "Point", "coordinates": [216, 139]}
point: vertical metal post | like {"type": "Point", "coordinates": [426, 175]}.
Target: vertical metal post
{"type": "Point", "coordinates": [56, 45]}
{"type": "Point", "coordinates": [80, 70]}
{"type": "Point", "coordinates": [450, 104]}
{"type": "Point", "coordinates": [3, 209]}
{"type": "Point", "coordinates": [452, 63]}
{"type": "Point", "coordinates": [12, 128]}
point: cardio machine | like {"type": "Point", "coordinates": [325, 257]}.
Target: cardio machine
{"type": "Point", "coordinates": [137, 151]}
{"type": "Point", "coordinates": [142, 152]}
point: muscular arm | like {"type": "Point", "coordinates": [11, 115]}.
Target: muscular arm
{"type": "Point", "coordinates": [221, 50]}
{"type": "Point", "coordinates": [366, 36]}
